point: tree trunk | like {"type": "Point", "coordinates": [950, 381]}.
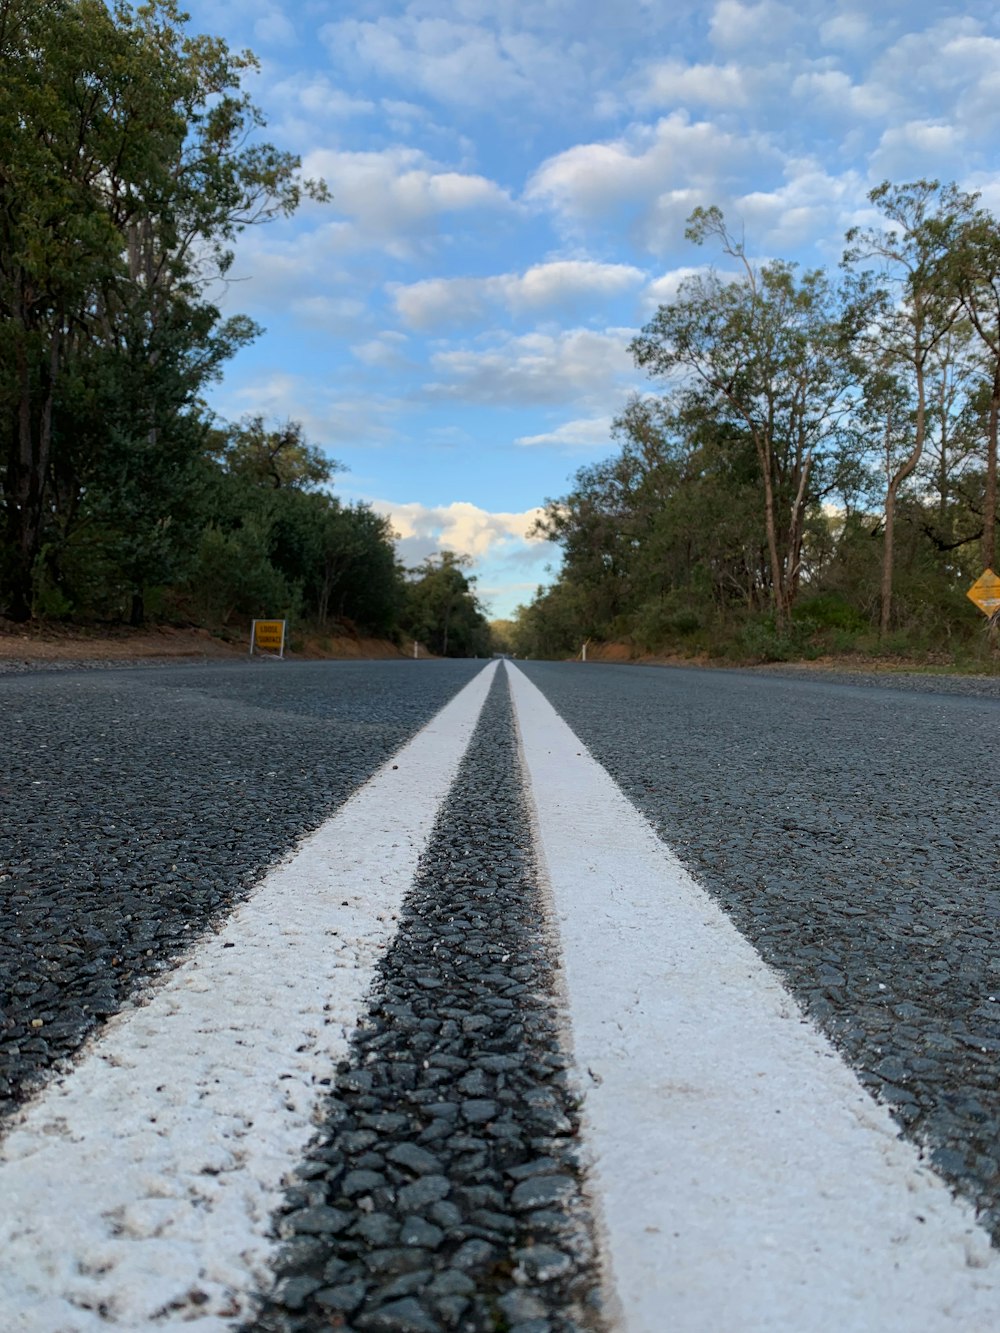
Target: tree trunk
{"type": "Point", "coordinates": [777, 588]}
{"type": "Point", "coordinates": [895, 481]}
{"type": "Point", "coordinates": [793, 556]}
{"type": "Point", "coordinates": [28, 461]}
{"type": "Point", "coordinates": [887, 552]}
{"type": "Point", "coordinates": [990, 499]}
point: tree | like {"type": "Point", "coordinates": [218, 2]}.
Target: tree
{"type": "Point", "coordinates": [277, 458]}
{"type": "Point", "coordinates": [129, 167]}
{"type": "Point", "coordinates": [901, 284]}
{"type": "Point", "coordinates": [443, 610]}
{"type": "Point", "coordinates": [759, 353]}
{"type": "Point", "coordinates": [975, 271]}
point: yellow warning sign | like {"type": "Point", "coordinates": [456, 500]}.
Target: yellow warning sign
{"type": "Point", "coordinates": [985, 592]}
{"type": "Point", "coordinates": [268, 635]}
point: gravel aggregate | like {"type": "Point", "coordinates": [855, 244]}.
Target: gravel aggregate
{"type": "Point", "coordinates": [851, 833]}
{"type": "Point", "coordinates": [444, 1190]}
{"type": "Point", "coordinates": [137, 806]}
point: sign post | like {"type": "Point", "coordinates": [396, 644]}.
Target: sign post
{"type": "Point", "coordinates": [268, 635]}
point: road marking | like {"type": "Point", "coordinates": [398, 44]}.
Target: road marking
{"type": "Point", "coordinates": [744, 1178]}
{"type": "Point", "coordinates": [140, 1186]}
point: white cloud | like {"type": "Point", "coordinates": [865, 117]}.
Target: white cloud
{"type": "Point", "coordinates": [579, 366]}
{"type": "Point", "coordinates": [657, 173]}
{"type": "Point", "coordinates": [393, 197]}
{"type": "Point", "coordinates": [388, 350]}
{"type": "Point", "coordinates": [464, 63]}
{"type": "Point", "coordinates": [557, 286]}
{"type": "Point", "coordinates": [810, 204]}
{"type": "Point", "coordinates": [850, 29]}
{"type": "Point", "coordinates": [832, 91]}
{"type": "Point", "coordinates": [275, 28]}
{"type": "Point", "coordinates": [664, 289]}
{"type": "Point", "coordinates": [335, 314]}
{"type": "Point", "coordinates": [920, 147]}
{"type": "Point", "coordinates": [947, 73]}
{"type": "Point", "coordinates": [401, 178]}
{"type": "Point", "coordinates": [320, 97]}
{"type": "Point", "coordinates": [673, 83]}
{"type": "Point", "coordinates": [508, 562]}
{"type": "Point", "coordinates": [734, 26]}
{"type": "Point", "coordinates": [586, 433]}
{"type": "Point", "coordinates": [460, 526]}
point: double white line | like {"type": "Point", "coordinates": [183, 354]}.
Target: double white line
{"type": "Point", "coordinates": [741, 1176]}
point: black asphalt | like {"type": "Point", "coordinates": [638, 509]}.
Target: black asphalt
{"type": "Point", "coordinates": [851, 830]}
{"type": "Point", "coordinates": [137, 806]}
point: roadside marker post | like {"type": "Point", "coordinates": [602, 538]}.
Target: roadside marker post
{"type": "Point", "coordinates": [268, 637]}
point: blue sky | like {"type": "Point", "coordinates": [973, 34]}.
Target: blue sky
{"type": "Point", "coordinates": [510, 184]}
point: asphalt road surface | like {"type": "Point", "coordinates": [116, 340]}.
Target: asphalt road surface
{"type": "Point", "coordinates": [451, 1117]}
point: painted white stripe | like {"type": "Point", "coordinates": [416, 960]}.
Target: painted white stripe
{"type": "Point", "coordinates": [745, 1178]}
{"type": "Point", "coordinates": [140, 1186]}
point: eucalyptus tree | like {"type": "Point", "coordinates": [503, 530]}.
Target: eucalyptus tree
{"type": "Point", "coordinates": [760, 352]}
{"type": "Point", "coordinates": [901, 281]}
{"type": "Point", "coordinates": [975, 270]}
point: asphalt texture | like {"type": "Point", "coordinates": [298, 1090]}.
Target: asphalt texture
{"type": "Point", "coordinates": [444, 1190]}
{"type": "Point", "coordinates": [138, 805]}
{"type": "Point", "coordinates": [850, 829]}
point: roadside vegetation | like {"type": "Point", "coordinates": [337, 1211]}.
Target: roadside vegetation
{"type": "Point", "coordinates": [131, 160]}
{"type": "Point", "coordinates": [816, 472]}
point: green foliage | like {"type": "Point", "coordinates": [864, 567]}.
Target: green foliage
{"type": "Point", "coordinates": [130, 163]}
{"type": "Point", "coordinates": [442, 610]}
{"type": "Point", "coordinates": [819, 475]}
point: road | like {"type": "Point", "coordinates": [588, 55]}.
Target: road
{"type": "Point", "coordinates": [509, 1131]}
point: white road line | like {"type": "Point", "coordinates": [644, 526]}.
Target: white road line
{"type": "Point", "coordinates": [140, 1186]}
{"type": "Point", "coordinates": [745, 1179]}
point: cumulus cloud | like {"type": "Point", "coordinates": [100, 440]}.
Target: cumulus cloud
{"type": "Point", "coordinates": [275, 28]}
{"type": "Point", "coordinates": [920, 147]}
{"type": "Point", "coordinates": [664, 289]}
{"type": "Point", "coordinates": [734, 25]}
{"type": "Point", "coordinates": [319, 96]}
{"type": "Point", "coordinates": [586, 433]}
{"type": "Point", "coordinates": [387, 351]}
{"type": "Point", "coordinates": [464, 63]}
{"type": "Point", "coordinates": [395, 196]}
{"type": "Point", "coordinates": [657, 173]}
{"type": "Point", "coordinates": [845, 30]}
{"type": "Point", "coordinates": [574, 366]}
{"type": "Point", "coordinates": [673, 83]}
{"type": "Point", "coordinates": [831, 91]}
{"type": "Point", "coordinates": [559, 286]}
{"type": "Point", "coordinates": [810, 204]}
{"type": "Point", "coordinates": [459, 526]}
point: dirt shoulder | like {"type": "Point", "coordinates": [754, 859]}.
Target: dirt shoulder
{"type": "Point", "coordinates": [57, 644]}
{"type": "Point", "coordinates": [848, 663]}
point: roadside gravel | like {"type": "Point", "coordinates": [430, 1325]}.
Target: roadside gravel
{"type": "Point", "coordinates": [138, 806]}
{"type": "Point", "coordinates": [851, 833]}
{"type": "Point", "coordinates": [444, 1190]}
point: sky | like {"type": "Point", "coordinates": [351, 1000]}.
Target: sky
{"type": "Point", "coordinates": [510, 182]}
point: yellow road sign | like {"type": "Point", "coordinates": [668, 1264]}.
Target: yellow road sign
{"type": "Point", "coordinates": [985, 592]}
{"type": "Point", "coordinates": [268, 635]}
